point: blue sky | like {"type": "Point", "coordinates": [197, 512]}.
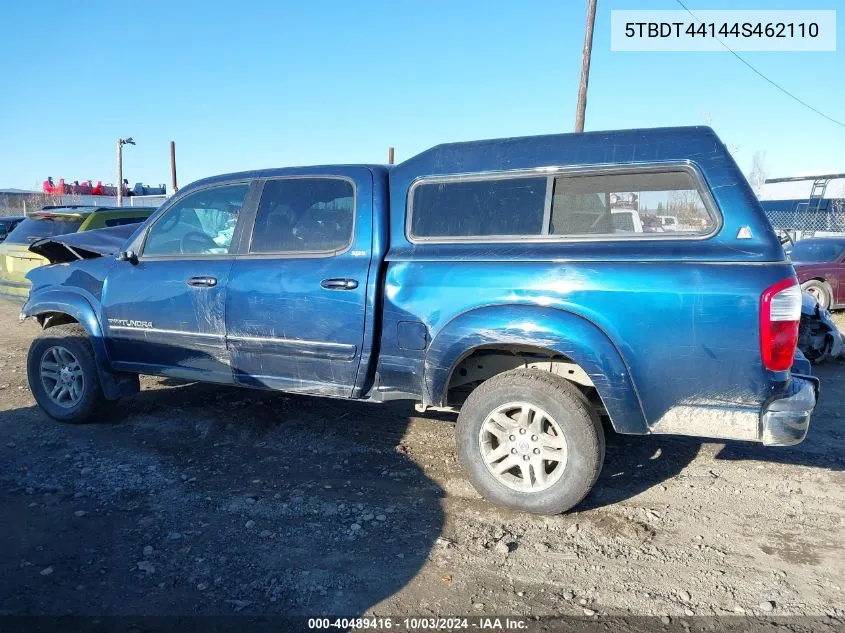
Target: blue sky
{"type": "Point", "coordinates": [259, 83]}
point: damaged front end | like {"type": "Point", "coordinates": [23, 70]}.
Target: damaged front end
{"type": "Point", "coordinates": [62, 249]}
{"type": "Point", "coordinates": [818, 337]}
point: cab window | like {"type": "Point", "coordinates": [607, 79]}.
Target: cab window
{"type": "Point", "coordinates": [202, 223]}
{"type": "Point", "coordinates": [304, 215]}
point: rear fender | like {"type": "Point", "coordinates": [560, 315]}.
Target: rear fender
{"type": "Point", "coordinates": [555, 330]}
{"type": "Point", "coordinates": [75, 305]}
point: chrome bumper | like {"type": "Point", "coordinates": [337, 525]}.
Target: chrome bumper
{"type": "Point", "coordinates": [786, 419]}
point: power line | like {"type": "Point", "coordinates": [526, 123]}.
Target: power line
{"type": "Point", "coordinates": [762, 76]}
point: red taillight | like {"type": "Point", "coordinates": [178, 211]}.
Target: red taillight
{"type": "Point", "coordinates": [780, 311]}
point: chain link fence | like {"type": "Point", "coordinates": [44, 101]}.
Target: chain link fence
{"type": "Point", "coordinates": [808, 219]}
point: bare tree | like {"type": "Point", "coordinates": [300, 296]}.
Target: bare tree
{"type": "Point", "coordinates": [758, 174]}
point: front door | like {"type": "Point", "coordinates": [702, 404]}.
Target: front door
{"type": "Point", "coordinates": [297, 295]}
{"type": "Point", "coordinates": [165, 313]}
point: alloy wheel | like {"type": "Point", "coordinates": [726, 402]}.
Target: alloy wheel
{"type": "Point", "coordinates": [523, 447]}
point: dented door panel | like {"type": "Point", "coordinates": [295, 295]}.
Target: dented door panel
{"type": "Point", "coordinates": [157, 323]}
{"type": "Point", "coordinates": [297, 321]}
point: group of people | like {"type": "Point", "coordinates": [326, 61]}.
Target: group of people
{"type": "Point", "coordinates": [88, 188]}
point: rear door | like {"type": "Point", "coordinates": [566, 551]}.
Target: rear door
{"type": "Point", "coordinates": [165, 313]}
{"type": "Point", "coordinates": [297, 296]}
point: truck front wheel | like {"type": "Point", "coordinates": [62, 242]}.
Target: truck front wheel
{"type": "Point", "coordinates": [530, 440]}
{"type": "Point", "coordinates": [63, 374]}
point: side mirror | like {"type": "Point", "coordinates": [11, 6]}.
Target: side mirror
{"type": "Point", "coordinates": [128, 256]}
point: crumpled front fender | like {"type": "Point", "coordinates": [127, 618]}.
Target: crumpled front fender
{"type": "Point", "coordinates": [552, 329]}
{"type": "Point", "coordinates": [73, 304]}
{"type": "Point", "coordinates": [77, 306]}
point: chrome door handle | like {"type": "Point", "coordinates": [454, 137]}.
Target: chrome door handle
{"type": "Point", "coordinates": [339, 284]}
{"type": "Point", "coordinates": [202, 282]}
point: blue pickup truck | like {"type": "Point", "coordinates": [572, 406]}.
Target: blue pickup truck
{"type": "Point", "coordinates": [491, 277]}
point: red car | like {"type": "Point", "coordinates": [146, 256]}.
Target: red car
{"type": "Point", "coordinates": [820, 267]}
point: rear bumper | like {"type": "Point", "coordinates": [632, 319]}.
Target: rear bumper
{"type": "Point", "coordinates": [782, 420]}
{"type": "Point", "coordinates": [785, 419]}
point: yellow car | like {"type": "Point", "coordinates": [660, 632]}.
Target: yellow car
{"type": "Point", "coordinates": [15, 258]}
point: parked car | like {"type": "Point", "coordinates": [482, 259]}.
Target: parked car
{"type": "Point", "coordinates": [669, 222]}
{"type": "Point", "coordinates": [7, 223]}
{"type": "Point", "coordinates": [626, 221]}
{"type": "Point", "coordinates": [15, 257]}
{"type": "Point", "coordinates": [651, 224]}
{"type": "Point", "coordinates": [820, 265]}
{"type": "Point", "coordinates": [486, 276]}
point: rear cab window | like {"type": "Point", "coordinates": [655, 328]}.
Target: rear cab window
{"type": "Point", "coordinates": [35, 228]}
{"type": "Point", "coordinates": [304, 215]}
{"type": "Point", "coordinates": [613, 205]}
{"type": "Point", "coordinates": [124, 221]}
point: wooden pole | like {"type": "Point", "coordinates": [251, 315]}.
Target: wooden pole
{"type": "Point", "coordinates": [585, 66]}
{"type": "Point", "coordinates": [389, 155]}
{"type": "Point", "coordinates": [119, 173]}
{"type": "Point", "coordinates": [173, 166]}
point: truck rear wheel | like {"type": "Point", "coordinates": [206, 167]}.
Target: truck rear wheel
{"type": "Point", "coordinates": [531, 441]}
{"type": "Point", "coordinates": [63, 374]}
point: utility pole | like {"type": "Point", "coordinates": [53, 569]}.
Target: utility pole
{"type": "Point", "coordinates": [120, 172]}
{"type": "Point", "coordinates": [585, 66]}
{"type": "Point", "coordinates": [120, 143]}
{"type": "Point", "coordinates": [389, 155]}
{"type": "Point", "coordinates": [173, 166]}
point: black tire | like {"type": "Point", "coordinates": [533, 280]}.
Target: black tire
{"type": "Point", "coordinates": [821, 290]}
{"type": "Point", "coordinates": [577, 419]}
{"type": "Point", "coordinates": [73, 338]}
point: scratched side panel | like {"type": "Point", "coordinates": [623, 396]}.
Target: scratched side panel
{"type": "Point", "coordinates": [682, 314]}
{"type": "Point", "coordinates": [284, 331]}
{"type": "Point", "coordinates": [156, 323]}
{"type": "Point", "coordinates": [688, 332]}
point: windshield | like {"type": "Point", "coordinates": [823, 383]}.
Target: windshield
{"type": "Point", "coordinates": [816, 252]}
{"type": "Point", "coordinates": [33, 229]}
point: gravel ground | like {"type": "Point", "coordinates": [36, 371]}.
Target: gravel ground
{"type": "Point", "coordinates": [198, 499]}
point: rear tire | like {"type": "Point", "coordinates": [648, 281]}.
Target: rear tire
{"type": "Point", "coordinates": [62, 373]}
{"type": "Point", "coordinates": [821, 290]}
{"type": "Point", "coordinates": [542, 425]}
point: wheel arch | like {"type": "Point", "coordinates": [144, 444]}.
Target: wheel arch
{"type": "Point", "coordinates": [55, 307]}
{"type": "Point", "coordinates": [558, 334]}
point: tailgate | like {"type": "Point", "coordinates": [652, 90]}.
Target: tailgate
{"type": "Point", "coordinates": [15, 263]}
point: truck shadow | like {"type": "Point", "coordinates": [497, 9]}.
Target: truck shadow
{"type": "Point", "coordinates": [262, 503]}
{"type": "Point", "coordinates": [634, 464]}
{"type": "Point", "coordinates": [253, 503]}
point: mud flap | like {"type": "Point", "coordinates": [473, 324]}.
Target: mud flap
{"type": "Point", "coordinates": [118, 385]}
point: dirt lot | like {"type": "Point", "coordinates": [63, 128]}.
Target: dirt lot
{"type": "Point", "coordinates": [197, 499]}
